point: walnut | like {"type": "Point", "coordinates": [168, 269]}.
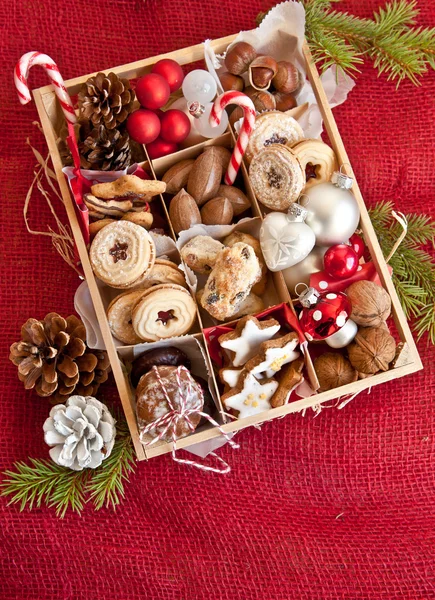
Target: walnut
{"type": "Point", "coordinates": [371, 305]}
{"type": "Point", "coordinates": [372, 350]}
{"type": "Point", "coordinates": [333, 370]}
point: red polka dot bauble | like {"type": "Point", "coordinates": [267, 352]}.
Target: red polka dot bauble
{"type": "Point", "coordinates": [340, 261]}
{"type": "Point", "coordinates": [171, 71]}
{"type": "Point", "coordinates": [143, 126]}
{"type": "Point", "coordinates": [152, 91]}
{"type": "Point", "coordinates": [175, 126]}
{"type": "Point", "coordinates": [160, 148]}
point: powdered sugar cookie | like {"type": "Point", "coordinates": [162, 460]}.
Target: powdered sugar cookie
{"type": "Point", "coordinates": [200, 253]}
{"type": "Point", "coordinates": [273, 127]}
{"type": "Point", "coordinates": [244, 342]}
{"type": "Point", "coordinates": [251, 396]}
{"type": "Point", "coordinates": [239, 236]}
{"type": "Point", "coordinates": [273, 355]}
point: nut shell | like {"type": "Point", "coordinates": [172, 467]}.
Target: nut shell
{"type": "Point", "coordinates": [239, 57]}
{"type": "Point", "coordinates": [261, 72]}
{"type": "Point", "coordinates": [372, 350]}
{"type": "Point", "coordinates": [371, 304]}
{"type": "Point", "coordinates": [284, 101]}
{"type": "Point", "coordinates": [333, 370]}
{"type": "Point", "coordinates": [287, 78]}
{"type": "Point", "coordinates": [183, 211]}
{"type": "Point", "coordinates": [176, 177]}
{"type": "Point", "coordinates": [224, 155]}
{"type": "Point", "coordinates": [262, 99]}
{"type": "Point", "coordinates": [231, 82]}
{"type": "Point", "coordinates": [205, 177]}
{"type": "Point", "coordinates": [236, 115]}
{"type": "Point", "coordinates": [218, 211]}
{"type": "Point", "coordinates": [239, 201]}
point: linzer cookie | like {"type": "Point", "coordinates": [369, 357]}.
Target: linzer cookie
{"type": "Point", "coordinates": [235, 272]}
{"type": "Point", "coordinates": [276, 177]}
{"type": "Point", "coordinates": [162, 312]}
{"type": "Point", "coordinates": [244, 342]}
{"type": "Point", "coordinates": [119, 315]}
{"type": "Point", "coordinates": [121, 253]}
{"type": "Point", "coordinates": [271, 128]}
{"type": "Point", "coordinates": [318, 161]}
{"type": "Point", "coordinates": [273, 355]}
{"type": "Point", "coordinates": [250, 396]}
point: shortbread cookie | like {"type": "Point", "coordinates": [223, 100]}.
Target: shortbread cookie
{"type": "Point", "coordinates": [119, 315]}
{"type": "Point", "coordinates": [250, 396]}
{"type": "Point", "coordinates": [121, 252]}
{"type": "Point", "coordinates": [95, 227]}
{"type": "Point", "coordinates": [239, 236]}
{"type": "Point", "coordinates": [244, 342]}
{"type": "Point", "coordinates": [164, 311]}
{"type": "Point", "coordinates": [230, 376]}
{"type": "Point", "coordinates": [163, 271]}
{"type": "Point", "coordinates": [276, 177]}
{"type": "Point", "coordinates": [200, 253]}
{"type": "Point", "coordinates": [318, 161]}
{"type": "Point", "coordinates": [129, 186]}
{"type": "Point", "coordinates": [273, 355]}
{"type": "Point", "coordinates": [143, 218]}
{"type": "Point", "coordinates": [235, 272]}
{"type": "Point", "coordinates": [288, 379]}
{"type": "Point", "coordinates": [273, 127]}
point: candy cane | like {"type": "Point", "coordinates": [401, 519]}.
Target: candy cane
{"type": "Point", "coordinates": [21, 73]}
{"type": "Point", "coordinates": [245, 131]}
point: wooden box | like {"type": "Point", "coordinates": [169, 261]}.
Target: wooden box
{"type": "Point", "coordinates": [51, 119]}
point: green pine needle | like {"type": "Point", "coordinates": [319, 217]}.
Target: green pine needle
{"type": "Point", "coordinates": [44, 482]}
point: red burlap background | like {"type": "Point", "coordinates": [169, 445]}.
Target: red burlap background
{"type": "Point", "coordinates": [340, 506]}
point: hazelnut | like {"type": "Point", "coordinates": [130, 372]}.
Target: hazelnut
{"type": "Point", "coordinates": [372, 350]}
{"type": "Point", "coordinates": [333, 370]}
{"type": "Point", "coordinates": [284, 101]}
{"type": "Point", "coordinates": [287, 78]}
{"type": "Point", "coordinates": [231, 82]}
{"type": "Point", "coordinates": [262, 99]}
{"type": "Point", "coordinates": [239, 57]}
{"type": "Point", "coordinates": [371, 304]}
{"type": "Point", "coordinates": [236, 115]}
{"type": "Point", "coordinates": [261, 72]}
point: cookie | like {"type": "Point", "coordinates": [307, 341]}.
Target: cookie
{"type": "Point", "coordinates": [169, 356]}
{"type": "Point", "coordinates": [95, 227]}
{"type": "Point", "coordinates": [244, 342]}
{"type": "Point", "coordinates": [119, 315]}
{"type": "Point", "coordinates": [121, 252]}
{"type": "Point", "coordinates": [273, 355]}
{"type": "Point", "coordinates": [289, 377]}
{"type": "Point", "coordinates": [235, 272]}
{"type": "Point", "coordinates": [238, 236]}
{"type": "Point", "coordinates": [165, 389]}
{"type": "Point", "coordinates": [251, 305]}
{"type": "Point", "coordinates": [200, 253]}
{"type": "Point", "coordinates": [164, 311]}
{"type": "Point", "coordinates": [273, 127]}
{"type": "Point", "coordinates": [230, 376]}
{"type": "Point", "coordinates": [318, 161]}
{"type": "Point", "coordinates": [129, 187]}
{"type": "Point", "coordinates": [250, 396]}
{"type": "Point", "coordinates": [163, 271]}
{"type": "Point", "coordinates": [143, 218]}
{"type": "Point", "coordinates": [276, 177]}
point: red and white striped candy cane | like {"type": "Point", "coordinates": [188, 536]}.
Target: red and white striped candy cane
{"type": "Point", "coordinates": [21, 73]}
{"type": "Point", "coordinates": [246, 129]}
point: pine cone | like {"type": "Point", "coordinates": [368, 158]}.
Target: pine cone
{"type": "Point", "coordinates": [105, 150]}
{"type": "Point", "coordinates": [82, 129]}
{"type": "Point", "coordinates": [53, 358]}
{"type": "Point", "coordinates": [106, 100]}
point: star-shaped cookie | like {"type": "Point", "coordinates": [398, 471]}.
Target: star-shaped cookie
{"type": "Point", "coordinates": [251, 396]}
{"type": "Point", "coordinates": [273, 355]}
{"type": "Point", "coordinates": [245, 340]}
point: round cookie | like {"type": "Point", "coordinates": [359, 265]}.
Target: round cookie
{"type": "Point", "coordinates": [157, 357]}
{"type": "Point", "coordinates": [119, 315]}
{"type": "Point", "coordinates": [276, 177]}
{"type": "Point", "coordinates": [121, 252]}
{"type": "Point", "coordinates": [318, 161]}
{"type": "Point", "coordinates": [164, 311]}
{"type": "Point", "coordinates": [273, 127]}
{"type": "Point", "coordinates": [200, 253]}
{"type": "Point", "coordinates": [163, 271]}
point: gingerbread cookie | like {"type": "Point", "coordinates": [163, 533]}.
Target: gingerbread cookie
{"type": "Point", "coordinates": [276, 177]}
{"type": "Point", "coordinates": [238, 236]}
{"type": "Point", "coordinates": [318, 161]}
{"type": "Point", "coordinates": [251, 396]}
{"type": "Point", "coordinates": [273, 127]}
{"type": "Point", "coordinates": [200, 253]}
{"type": "Point", "coordinates": [235, 272]}
{"type": "Point", "coordinates": [119, 315]}
{"type": "Point", "coordinates": [273, 355]}
{"type": "Point", "coordinates": [244, 342]}
{"type": "Point", "coordinates": [152, 393]}
{"type": "Point", "coordinates": [162, 312]}
{"type": "Point", "coordinates": [289, 377]}
{"type": "Point", "coordinates": [121, 253]}
{"type": "Point", "coordinates": [168, 356]}
{"type": "Point", "coordinates": [230, 376]}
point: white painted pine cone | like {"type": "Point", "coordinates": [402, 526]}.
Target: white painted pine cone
{"type": "Point", "coordinates": [81, 433]}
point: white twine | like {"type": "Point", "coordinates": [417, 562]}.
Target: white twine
{"type": "Point", "coordinates": [401, 219]}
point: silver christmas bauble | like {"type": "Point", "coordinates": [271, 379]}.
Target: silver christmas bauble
{"type": "Point", "coordinates": [333, 213]}
{"type": "Point", "coordinates": [344, 336]}
{"type": "Point", "coordinates": [301, 272]}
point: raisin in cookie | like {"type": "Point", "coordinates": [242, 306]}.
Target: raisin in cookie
{"type": "Point", "coordinates": [200, 253]}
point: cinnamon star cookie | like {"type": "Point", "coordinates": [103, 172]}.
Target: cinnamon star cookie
{"type": "Point", "coordinates": [273, 355]}
{"type": "Point", "coordinates": [288, 379]}
{"type": "Point", "coordinates": [244, 342]}
{"type": "Point", "coordinates": [251, 396]}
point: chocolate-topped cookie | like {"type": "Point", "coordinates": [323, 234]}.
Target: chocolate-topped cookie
{"type": "Point", "coordinates": [171, 356]}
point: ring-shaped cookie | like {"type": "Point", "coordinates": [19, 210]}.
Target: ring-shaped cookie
{"type": "Point", "coordinates": [119, 315]}
{"type": "Point", "coordinates": [318, 161]}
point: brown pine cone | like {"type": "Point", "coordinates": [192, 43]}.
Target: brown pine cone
{"type": "Point", "coordinates": [82, 129]}
{"type": "Point", "coordinates": [105, 150]}
{"type": "Point", "coordinates": [53, 358]}
{"type": "Point", "coordinates": [106, 100]}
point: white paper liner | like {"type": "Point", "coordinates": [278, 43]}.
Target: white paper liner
{"type": "Point", "coordinates": [281, 34]}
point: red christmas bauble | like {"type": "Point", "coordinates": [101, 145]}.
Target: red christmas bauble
{"type": "Point", "coordinates": [143, 126]}
{"type": "Point", "coordinates": [160, 148]}
{"type": "Point", "coordinates": [175, 126]}
{"type": "Point", "coordinates": [324, 313]}
{"type": "Point", "coordinates": [357, 244]}
{"type": "Point", "coordinates": [340, 261]}
{"type": "Point", "coordinates": [171, 71]}
{"type": "Point", "coordinates": [159, 112]}
{"type": "Point", "coordinates": [152, 91]}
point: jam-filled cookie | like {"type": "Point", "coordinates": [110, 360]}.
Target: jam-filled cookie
{"type": "Point", "coordinates": [318, 161]}
{"type": "Point", "coordinates": [273, 127]}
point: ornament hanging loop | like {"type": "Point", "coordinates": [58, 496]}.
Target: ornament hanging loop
{"type": "Point", "coordinates": [306, 288]}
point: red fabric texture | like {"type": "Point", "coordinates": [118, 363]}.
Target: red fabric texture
{"type": "Point", "coordinates": [337, 506]}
